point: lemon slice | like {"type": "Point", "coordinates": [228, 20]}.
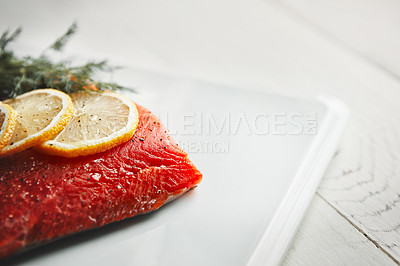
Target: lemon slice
{"type": "Point", "coordinates": [101, 121]}
{"type": "Point", "coordinates": [41, 114]}
{"type": "Point", "coordinates": [7, 123]}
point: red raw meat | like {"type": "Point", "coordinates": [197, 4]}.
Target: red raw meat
{"type": "Point", "coordinates": [46, 197]}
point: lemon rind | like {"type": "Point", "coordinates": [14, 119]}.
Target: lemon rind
{"type": "Point", "coordinates": [89, 147]}
{"type": "Point", "coordinates": [55, 126]}
{"type": "Point", "coordinates": [7, 129]}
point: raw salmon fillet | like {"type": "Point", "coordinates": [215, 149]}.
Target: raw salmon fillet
{"type": "Point", "coordinates": [45, 197]}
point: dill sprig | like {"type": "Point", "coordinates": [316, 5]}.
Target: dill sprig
{"type": "Point", "coordinates": [20, 75]}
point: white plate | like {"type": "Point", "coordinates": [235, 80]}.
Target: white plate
{"type": "Point", "coordinates": [260, 173]}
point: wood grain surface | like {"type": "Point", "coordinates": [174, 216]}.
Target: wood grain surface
{"type": "Point", "coordinates": [326, 238]}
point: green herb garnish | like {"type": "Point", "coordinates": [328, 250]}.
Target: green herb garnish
{"type": "Point", "coordinates": [20, 75]}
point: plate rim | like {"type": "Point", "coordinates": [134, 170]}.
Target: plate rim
{"type": "Point", "coordinates": [275, 241]}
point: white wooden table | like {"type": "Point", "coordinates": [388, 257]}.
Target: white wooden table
{"type": "Point", "coordinates": [349, 49]}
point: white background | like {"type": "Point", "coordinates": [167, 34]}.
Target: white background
{"type": "Point", "coordinates": [349, 49]}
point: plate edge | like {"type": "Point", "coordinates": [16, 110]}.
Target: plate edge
{"type": "Point", "coordinates": [275, 241]}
